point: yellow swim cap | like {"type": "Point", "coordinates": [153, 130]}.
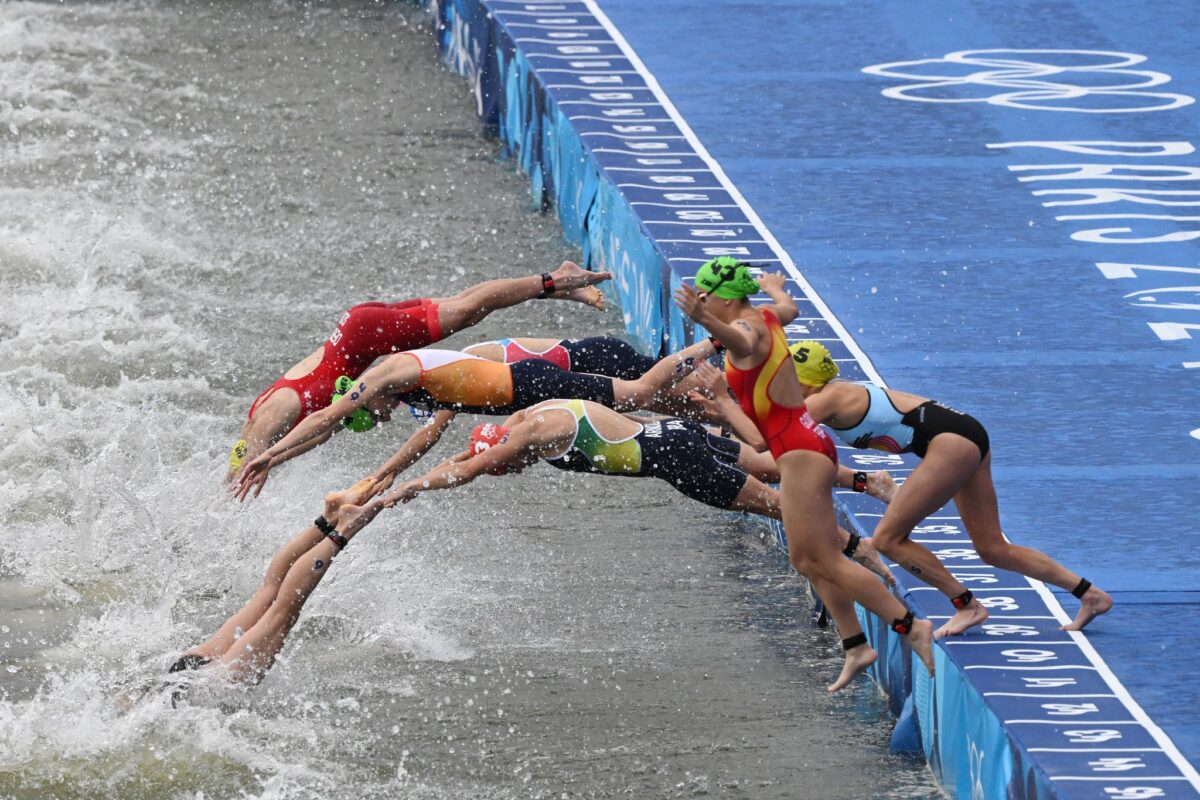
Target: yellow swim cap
{"type": "Point", "coordinates": [238, 454]}
{"type": "Point", "coordinates": [814, 365]}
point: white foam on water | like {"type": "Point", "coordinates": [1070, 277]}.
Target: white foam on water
{"type": "Point", "coordinates": [120, 548]}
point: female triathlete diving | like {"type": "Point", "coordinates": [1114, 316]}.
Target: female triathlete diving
{"type": "Point", "coordinates": [582, 436]}
{"type": "Point", "coordinates": [370, 330]}
{"type": "Point", "coordinates": [956, 464]}
{"type": "Point", "coordinates": [448, 379]}
{"type": "Point", "coordinates": [770, 412]}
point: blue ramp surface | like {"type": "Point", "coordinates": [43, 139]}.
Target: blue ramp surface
{"type": "Point", "coordinates": [994, 207]}
{"type": "Point", "coordinates": [1001, 202]}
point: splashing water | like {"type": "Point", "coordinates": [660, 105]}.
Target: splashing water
{"type": "Point", "coordinates": [191, 197]}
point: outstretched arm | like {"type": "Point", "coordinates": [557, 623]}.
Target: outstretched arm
{"type": "Point", "coordinates": [420, 443]}
{"type": "Point", "coordinates": [300, 449]}
{"type": "Point", "coordinates": [451, 474]}
{"type": "Point", "coordinates": [380, 380]}
{"type": "Point", "coordinates": [782, 303]}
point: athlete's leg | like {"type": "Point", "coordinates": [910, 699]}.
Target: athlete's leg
{"type": "Point", "coordinates": [607, 355]}
{"type": "Point", "coordinates": [948, 464]}
{"type": "Point", "coordinates": [254, 653]}
{"type": "Point", "coordinates": [469, 307]}
{"type": "Point", "coordinates": [668, 371]}
{"type": "Point", "coordinates": [494, 351]}
{"type": "Point", "coordinates": [756, 497]}
{"type": "Point", "coordinates": [760, 465]}
{"type": "Point", "coordinates": [220, 642]}
{"type": "Point", "coordinates": [806, 487]}
{"type": "Point", "coordinates": [263, 597]}
{"type": "Point", "coordinates": [977, 505]}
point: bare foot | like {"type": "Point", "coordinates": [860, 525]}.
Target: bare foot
{"type": "Point", "coordinates": [353, 518]}
{"type": "Point", "coordinates": [357, 493]}
{"type": "Point", "coordinates": [881, 485]}
{"type": "Point", "coordinates": [588, 295]}
{"type": "Point", "coordinates": [920, 639]}
{"type": "Point", "coordinates": [868, 556]}
{"type": "Point", "coordinates": [1095, 602]}
{"type": "Point", "coordinates": [963, 619]}
{"type": "Point", "coordinates": [857, 661]}
{"type": "Point", "coordinates": [572, 276]}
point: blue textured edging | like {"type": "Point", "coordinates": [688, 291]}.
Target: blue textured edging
{"type": "Point", "coordinates": [1017, 709]}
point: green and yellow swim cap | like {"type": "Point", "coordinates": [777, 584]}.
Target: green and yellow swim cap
{"type": "Point", "coordinates": [361, 420]}
{"type": "Point", "coordinates": [727, 278]}
{"type": "Point", "coordinates": [814, 365]}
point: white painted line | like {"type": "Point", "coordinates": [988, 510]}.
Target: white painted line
{"type": "Point", "coordinates": [674, 188]}
{"type": "Point", "coordinates": [660, 170]}
{"type": "Point", "coordinates": [547, 13]}
{"type": "Point", "coordinates": [578, 57]}
{"type": "Point", "coordinates": [1068, 722]}
{"type": "Point", "coordinates": [647, 154]}
{"type": "Point", "coordinates": [676, 205]}
{"type": "Point", "coordinates": [1021, 694]}
{"type": "Point", "coordinates": [631, 137]}
{"type": "Point", "coordinates": [1131, 778]}
{"type": "Point", "coordinates": [1087, 667]}
{"type": "Point", "coordinates": [698, 224]}
{"type": "Point", "coordinates": [1093, 749]}
{"type": "Point", "coordinates": [554, 27]}
{"type": "Point", "coordinates": [606, 104]}
{"type": "Point", "coordinates": [1160, 737]}
{"type": "Point", "coordinates": [716, 240]}
{"type": "Point", "coordinates": [751, 214]}
{"type": "Point", "coordinates": [581, 40]}
{"type": "Point", "coordinates": [1029, 641]}
{"type": "Point", "coordinates": [619, 121]}
{"type": "Point", "coordinates": [588, 72]}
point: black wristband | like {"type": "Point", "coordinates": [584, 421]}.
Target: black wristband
{"type": "Point", "coordinates": [720, 348]}
{"type": "Point", "coordinates": [860, 482]}
{"type": "Point", "coordinates": [547, 286]}
{"type": "Point", "coordinates": [323, 526]}
{"type": "Point", "coordinates": [852, 545]}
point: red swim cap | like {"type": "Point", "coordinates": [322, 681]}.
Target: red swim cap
{"type": "Point", "coordinates": [487, 435]}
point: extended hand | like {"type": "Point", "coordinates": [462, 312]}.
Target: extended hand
{"type": "Point", "coordinates": [404, 494]}
{"type": "Point", "coordinates": [690, 303]}
{"type": "Point", "coordinates": [771, 282]}
{"type": "Point", "coordinates": [254, 476]}
{"type": "Point", "coordinates": [712, 381]}
{"type": "Point", "coordinates": [381, 485]}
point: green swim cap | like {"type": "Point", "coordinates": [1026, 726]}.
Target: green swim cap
{"type": "Point", "coordinates": [361, 420]}
{"type": "Point", "coordinates": [727, 278]}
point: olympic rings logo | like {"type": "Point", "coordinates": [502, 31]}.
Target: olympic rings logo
{"type": "Point", "coordinates": [1094, 82]}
